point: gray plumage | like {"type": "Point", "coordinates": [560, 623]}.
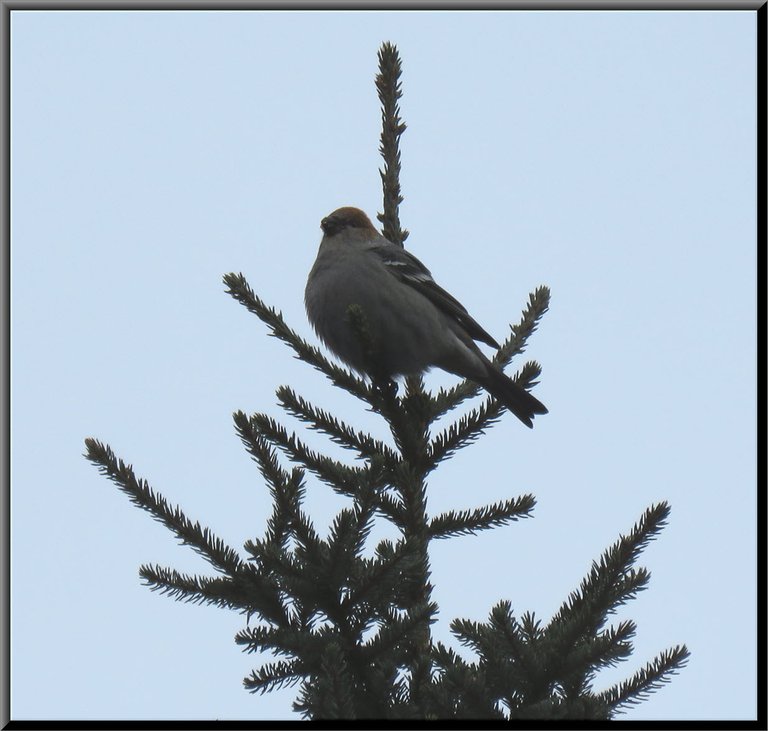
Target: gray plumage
{"type": "Point", "coordinates": [412, 323]}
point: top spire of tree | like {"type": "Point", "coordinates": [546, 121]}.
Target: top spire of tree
{"type": "Point", "coordinates": [350, 622]}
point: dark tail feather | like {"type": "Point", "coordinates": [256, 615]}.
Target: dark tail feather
{"type": "Point", "coordinates": [521, 403]}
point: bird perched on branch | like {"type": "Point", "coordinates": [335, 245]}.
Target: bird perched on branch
{"type": "Point", "coordinates": [410, 322]}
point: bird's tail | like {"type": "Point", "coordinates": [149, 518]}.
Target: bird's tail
{"type": "Point", "coordinates": [521, 403]}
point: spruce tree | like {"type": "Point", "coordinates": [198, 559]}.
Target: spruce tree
{"type": "Point", "coordinates": [349, 623]}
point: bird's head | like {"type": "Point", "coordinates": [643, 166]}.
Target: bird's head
{"type": "Point", "coordinates": [344, 218]}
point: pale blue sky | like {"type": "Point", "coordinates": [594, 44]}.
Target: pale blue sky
{"type": "Point", "coordinates": [609, 155]}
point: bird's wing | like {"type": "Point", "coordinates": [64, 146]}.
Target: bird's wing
{"type": "Point", "coordinates": [409, 270]}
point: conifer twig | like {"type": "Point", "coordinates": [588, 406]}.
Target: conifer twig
{"type": "Point", "coordinates": [655, 674]}
{"type": "Point", "coordinates": [612, 581]}
{"type": "Point", "coordinates": [469, 522]}
{"type": "Point", "coordinates": [466, 430]}
{"type": "Point", "coordinates": [345, 480]}
{"type": "Point", "coordinates": [257, 595]}
{"type": "Point", "coordinates": [202, 540]}
{"type": "Point", "coordinates": [337, 430]}
{"type": "Point", "coordinates": [240, 290]}
{"type": "Point", "coordinates": [273, 676]}
{"type": "Point", "coordinates": [388, 87]}
{"type": "Point", "coordinates": [537, 307]}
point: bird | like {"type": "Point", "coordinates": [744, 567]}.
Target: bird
{"type": "Point", "coordinates": [411, 323]}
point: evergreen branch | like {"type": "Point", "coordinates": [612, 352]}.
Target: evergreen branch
{"type": "Point", "coordinates": [414, 386]}
{"type": "Point", "coordinates": [515, 669]}
{"type": "Point", "coordinates": [337, 430]}
{"type": "Point", "coordinates": [389, 90]}
{"type": "Point", "coordinates": [202, 540]}
{"type": "Point", "coordinates": [398, 632]}
{"type": "Point", "coordinates": [287, 489]}
{"type": "Point", "coordinates": [332, 694]}
{"type": "Point", "coordinates": [530, 627]}
{"type": "Point", "coordinates": [596, 599]}
{"type": "Point", "coordinates": [219, 591]}
{"type": "Point", "coordinates": [628, 587]}
{"type": "Point", "coordinates": [648, 679]}
{"type": "Point", "coordinates": [381, 582]}
{"type": "Point", "coordinates": [474, 635]}
{"type": "Point", "coordinates": [309, 544]}
{"type": "Point", "coordinates": [538, 304]}
{"type": "Point", "coordinates": [408, 420]}
{"type": "Point", "coordinates": [515, 663]}
{"type": "Point", "coordinates": [416, 400]}
{"type": "Point", "coordinates": [462, 689]}
{"type": "Point", "coordinates": [258, 639]}
{"type": "Point", "coordinates": [310, 552]}
{"type": "Point", "coordinates": [273, 676]}
{"type": "Point", "coordinates": [464, 431]}
{"type": "Point", "coordinates": [555, 709]}
{"type": "Point", "coordinates": [468, 522]}
{"type": "Point", "coordinates": [344, 480]}
{"type": "Point", "coordinates": [287, 503]}
{"type": "Point", "coordinates": [518, 661]}
{"type": "Point", "coordinates": [393, 508]}
{"type": "Point", "coordinates": [617, 644]}
{"type": "Point", "coordinates": [247, 592]}
{"type": "Point", "coordinates": [627, 549]}
{"type": "Point", "coordinates": [296, 572]}
{"type": "Point", "coordinates": [445, 658]}
{"type": "Point", "coordinates": [605, 649]}
{"type": "Point", "coordinates": [349, 534]}
{"type": "Point", "coordinates": [263, 454]}
{"type": "Point", "coordinates": [517, 640]}
{"type": "Point", "coordinates": [273, 560]}
{"type": "Point", "coordinates": [570, 639]}
{"type": "Point", "coordinates": [409, 430]}
{"type": "Point", "coordinates": [240, 290]}
{"type": "Point", "coordinates": [311, 575]}
{"type": "Point", "coordinates": [281, 641]}
{"type": "Point", "coordinates": [528, 374]}
{"type": "Point", "coordinates": [611, 582]}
